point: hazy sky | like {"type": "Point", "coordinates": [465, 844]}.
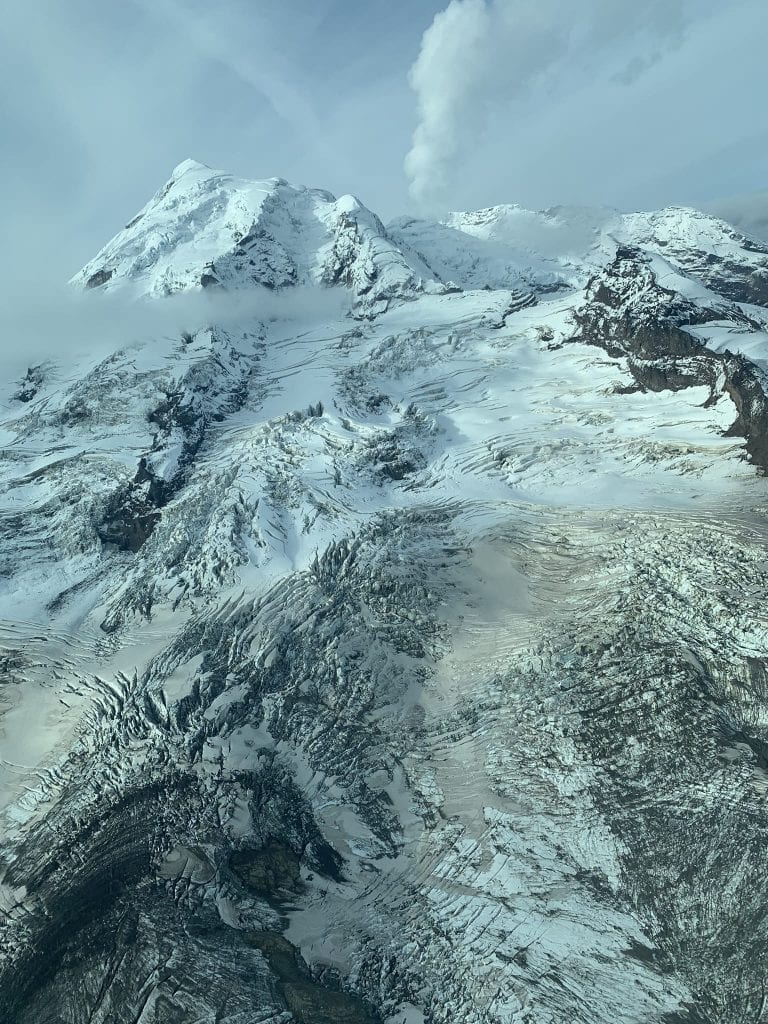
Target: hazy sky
{"type": "Point", "coordinates": [618, 102]}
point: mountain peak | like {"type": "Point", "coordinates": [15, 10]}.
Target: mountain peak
{"type": "Point", "coordinates": [188, 165]}
{"type": "Point", "coordinates": [209, 228]}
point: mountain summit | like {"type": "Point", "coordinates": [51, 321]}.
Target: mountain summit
{"type": "Point", "coordinates": [207, 228]}
{"type": "Point", "coordinates": [383, 633]}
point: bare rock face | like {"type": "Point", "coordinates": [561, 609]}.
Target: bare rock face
{"type": "Point", "coordinates": [629, 313]}
{"type": "Point", "coordinates": [382, 636]}
{"type": "Point", "coordinates": [98, 278]}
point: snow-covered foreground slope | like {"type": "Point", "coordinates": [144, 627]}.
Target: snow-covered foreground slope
{"type": "Point", "coordinates": [391, 651]}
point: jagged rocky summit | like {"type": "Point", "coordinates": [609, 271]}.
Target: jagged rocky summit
{"type": "Point", "coordinates": [383, 632]}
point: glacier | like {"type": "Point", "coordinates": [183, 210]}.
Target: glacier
{"type": "Point", "coordinates": [382, 631]}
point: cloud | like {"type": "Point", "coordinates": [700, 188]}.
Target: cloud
{"type": "Point", "coordinates": [748, 213]}
{"type": "Point", "coordinates": [64, 325]}
{"type": "Point", "coordinates": [479, 56]}
{"type": "Point", "coordinates": [243, 45]}
{"type": "Point", "coordinates": [446, 79]}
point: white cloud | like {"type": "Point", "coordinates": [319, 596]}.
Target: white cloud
{"type": "Point", "coordinates": [446, 79]}
{"type": "Point", "coordinates": [748, 213]}
{"type": "Point", "coordinates": [63, 325]}
{"type": "Point", "coordinates": [481, 56]}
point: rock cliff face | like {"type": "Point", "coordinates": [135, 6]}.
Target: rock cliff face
{"type": "Point", "coordinates": [628, 312]}
{"type": "Point", "coordinates": [386, 641]}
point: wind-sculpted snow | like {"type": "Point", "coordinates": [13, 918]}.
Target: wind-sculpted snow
{"type": "Point", "coordinates": [399, 659]}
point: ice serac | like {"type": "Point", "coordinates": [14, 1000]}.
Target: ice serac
{"type": "Point", "coordinates": [393, 660]}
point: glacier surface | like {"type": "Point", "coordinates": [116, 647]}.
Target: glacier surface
{"type": "Point", "coordinates": [382, 631]}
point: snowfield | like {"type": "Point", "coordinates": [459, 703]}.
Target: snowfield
{"type": "Point", "coordinates": [382, 631]}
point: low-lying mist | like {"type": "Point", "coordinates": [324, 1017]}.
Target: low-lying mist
{"type": "Point", "coordinates": [65, 325]}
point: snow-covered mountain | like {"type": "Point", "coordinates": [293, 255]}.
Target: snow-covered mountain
{"type": "Point", "coordinates": [208, 229]}
{"type": "Point", "coordinates": [383, 633]}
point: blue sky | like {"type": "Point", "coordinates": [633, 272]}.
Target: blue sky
{"type": "Point", "coordinates": [596, 102]}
